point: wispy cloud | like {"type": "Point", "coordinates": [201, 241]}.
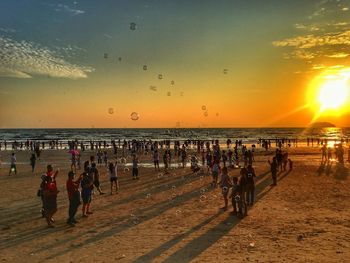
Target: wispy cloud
{"type": "Point", "coordinates": [25, 59]}
{"type": "Point", "coordinates": [325, 34]}
{"type": "Point", "coordinates": [66, 8]}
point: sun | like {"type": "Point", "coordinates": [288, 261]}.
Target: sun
{"type": "Point", "coordinates": [328, 93]}
{"type": "Point", "coordinates": [333, 94]}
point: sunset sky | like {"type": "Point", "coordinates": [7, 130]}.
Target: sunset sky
{"type": "Point", "coordinates": [250, 63]}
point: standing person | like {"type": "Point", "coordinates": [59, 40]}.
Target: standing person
{"type": "Point", "coordinates": [243, 190]}
{"type": "Point", "coordinates": [236, 198]}
{"type": "Point", "coordinates": [105, 158]}
{"type": "Point", "coordinates": [135, 167]}
{"type": "Point", "coordinates": [50, 200]}
{"type": "Point", "coordinates": [112, 172]}
{"type": "Point", "coordinates": [99, 157]}
{"type": "Point", "coordinates": [250, 185]}
{"type": "Point", "coordinates": [329, 154]}
{"type": "Point", "coordinates": [13, 167]}
{"type": "Point", "coordinates": [96, 178]}
{"type": "Point", "coordinates": [166, 162]}
{"type": "Point", "coordinates": [215, 173]}
{"type": "Point", "coordinates": [324, 152]}
{"type": "Point", "coordinates": [209, 158]}
{"type": "Point", "coordinates": [156, 160]}
{"type": "Point", "coordinates": [86, 192]}
{"type": "Point", "coordinates": [225, 184]}
{"type": "Point", "coordinates": [32, 161]}
{"type": "Point", "coordinates": [274, 168]}
{"type": "Point", "coordinates": [73, 196]}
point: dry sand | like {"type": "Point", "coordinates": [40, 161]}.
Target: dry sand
{"type": "Point", "coordinates": [306, 218]}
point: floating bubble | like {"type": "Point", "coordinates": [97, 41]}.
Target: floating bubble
{"type": "Point", "coordinates": [136, 221]}
{"type": "Point", "coordinates": [160, 76]}
{"type": "Point", "coordinates": [173, 187]}
{"type": "Point", "coordinates": [201, 177]}
{"type": "Point", "coordinates": [160, 175]}
{"type": "Point", "coordinates": [154, 88]}
{"type": "Point", "coordinates": [123, 160]}
{"type": "Point", "coordinates": [252, 244]}
{"type": "Point", "coordinates": [206, 114]}
{"type": "Point", "coordinates": [204, 107]}
{"type": "Point", "coordinates": [173, 196]}
{"type": "Point", "coordinates": [237, 198]}
{"type": "Point", "coordinates": [132, 26]}
{"type": "Point", "coordinates": [12, 169]}
{"type": "Point", "coordinates": [225, 71]}
{"type": "Point", "coordinates": [144, 67]}
{"type": "Point", "coordinates": [168, 94]}
{"type": "Point", "coordinates": [126, 169]}
{"type": "Point", "coordinates": [105, 55]}
{"type": "Point", "coordinates": [225, 189]}
{"type": "Point", "coordinates": [148, 196]}
{"type": "Point", "coordinates": [178, 211]}
{"type": "Point", "coordinates": [202, 198]}
{"type": "Point", "coordinates": [172, 82]}
{"type": "Point", "coordinates": [202, 191]}
{"type": "Point", "coordinates": [110, 110]}
{"type": "Point", "coordinates": [134, 116]}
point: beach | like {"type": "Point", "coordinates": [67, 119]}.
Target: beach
{"type": "Point", "coordinates": [176, 217]}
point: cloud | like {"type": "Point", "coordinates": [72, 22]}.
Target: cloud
{"type": "Point", "coordinates": [25, 59]}
{"type": "Point", "coordinates": [338, 55]}
{"type": "Point", "coordinates": [66, 8]}
{"type": "Point", "coordinates": [311, 40]}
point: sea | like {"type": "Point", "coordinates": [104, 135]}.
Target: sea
{"type": "Point", "coordinates": [247, 135]}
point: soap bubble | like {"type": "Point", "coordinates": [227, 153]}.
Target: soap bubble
{"type": "Point", "coordinates": [225, 189]}
{"type": "Point", "coordinates": [203, 198]}
{"type": "Point", "coordinates": [160, 175]}
{"type": "Point", "coordinates": [160, 76]}
{"type": "Point", "coordinates": [154, 88]}
{"type": "Point", "coordinates": [225, 71]}
{"type": "Point", "coordinates": [202, 191]}
{"type": "Point", "coordinates": [168, 94]}
{"type": "Point", "coordinates": [172, 82]}
{"type": "Point", "coordinates": [178, 212]}
{"type": "Point", "coordinates": [126, 169]}
{"type": "Point", "coordinates": [110, 110]}
{"type": "Point", "coordinates": [132, 26]}
{"type": "Point", "coordinates": [144, 67]}
{"type": "Point", "coordinates": [204, 107]}
{"type": "Point", "coordinates": [173, 187]}
{"type": "Point", "coordinates": [134, 116]}
{"type": "Point", "coordinates": [135, 221]}
{"type": "Point", "coordinates": [148, 196]}
{"type": "Point", "coordinates": [206, 113]}
{"type": "Point", "coordinates": [105, 55]}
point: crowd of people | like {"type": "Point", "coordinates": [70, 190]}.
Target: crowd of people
{"type": "Point", "coordinates": [213, 161]}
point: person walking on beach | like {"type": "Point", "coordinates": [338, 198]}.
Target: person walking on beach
{"type": "Point", "coordinates": [135, 167]}
{"type": "Point", "coordinates": [50, 200]}
{"type": "Point", "coordinates": [250, 185]}
{"type": "Point", "coordinates": [225, 184]}
{"type": "Point", "coordinates": [215, 173]}
{"type": "Point", "coordinates": [243, 190]}
{"type": "Point", "coordinates": [273, 168]}
{"type": "Point", "coordinates": [113, 177]}
{"type": "Point", "coordinates": [32, 161]}
{"type": "Point", "coordinates": [73, 196]}
{"type": "Point", "coordinates": [13, 167]}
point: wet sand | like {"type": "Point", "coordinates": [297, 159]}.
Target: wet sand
{"type": "Point", "coordinates": [177, 217]}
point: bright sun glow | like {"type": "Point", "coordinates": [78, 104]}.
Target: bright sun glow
{"type": "Point", "coordinates": [329, 92]}
{"type": "Point", "coordinates": [333, 94]}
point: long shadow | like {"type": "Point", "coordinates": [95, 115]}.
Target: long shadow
{"type": "Point", "coordinates": [203, 242]}
{"type": "Point", "coordinates": [34, 233]}
{"type": "Point", "coordinates": [144, 215]}
{"type": "Point", "coordinates": [341, 172]}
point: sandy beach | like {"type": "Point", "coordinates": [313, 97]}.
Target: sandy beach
{"type": "Point", "coordinates": [177, 217]}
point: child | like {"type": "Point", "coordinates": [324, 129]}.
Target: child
{"type": "Point", "coordinates": [13, 167]}
{"type": "Point", "coordinates": [225, 185]}
{"type": "Point", "coordinates": [73, 196]}
{"type": "Point", "coordinates": [112, 171]}
{"type": "Point", "coordinates": [194, 164]}
{"type": "Point", "coordinates": [96, 177]}
{"type": "Point", "coordinates": [243, 190]}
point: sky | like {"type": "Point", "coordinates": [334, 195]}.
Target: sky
{"type": "Point", "coordinates": [94, 63]}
